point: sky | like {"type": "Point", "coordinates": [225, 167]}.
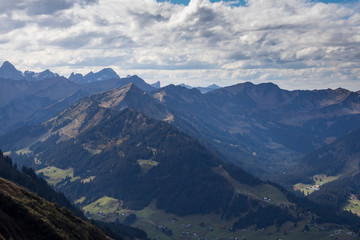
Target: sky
{"type": "Point", "coordinates": [297, 44]}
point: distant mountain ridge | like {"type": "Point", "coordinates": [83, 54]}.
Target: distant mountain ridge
{"type": "Point", "coordinates": [104, 74]}
{"type": "Point", "coordinates": [262, 128]}
{"type": "Point", "coordinates": [272, 127]}
{"type": "Point", "coordinates": [116, 151]}
{"type": "Point", "coordinates": [27, 101]}
{"type": "Point", "coordinates": [8, 71]}
{"type": "Point", "coordinates": [207, 89]}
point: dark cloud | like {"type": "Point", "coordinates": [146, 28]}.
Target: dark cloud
{"type": "Point", "coordinates": [48, 6]}
{"type": "Point", "coordinates": [8, 25]}
{"type": "Point", "coordinates": [238, 55]}
{"type": "Point", "coordinates": [118, 41]}
{"type": "Point", "coordinates": [38, 7]}
{"type": "Point", "coordinates": [76, 41]}
{"type": "Point", "coordinates": [56, 21]}
{"type": "Point", "coordinates": [204, 15]}
{"type": "Point", "coordinates": [144, 19]}
{"type": "Point", "coordinates": [7, 6]}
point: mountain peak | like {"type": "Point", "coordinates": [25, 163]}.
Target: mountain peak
{"type": "Point", "coordinates": [120, 98]}
{"type": "Point", "coordinates": [104, 74]}
{"type": "Point", "coordinates": [213, 86]}
{"type": "Point", "coordinates": [7, 64]}
{"type": "Point", "coordinates": [8, 71]}
{"type": "Point", "coordinates": [33, 76]}
{"type": "Point", "coordinates": [156, 85]}
{"type": "Point", "coordinates": [209, 88]}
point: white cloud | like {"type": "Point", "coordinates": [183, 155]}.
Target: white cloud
{"type": "Point", "coordinates": [295, 43]}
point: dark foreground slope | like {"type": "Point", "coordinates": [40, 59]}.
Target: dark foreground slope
{"type": "Point", "coordinates": [24, 215]}
{"type": "Point", "coordinates": [27, 178]}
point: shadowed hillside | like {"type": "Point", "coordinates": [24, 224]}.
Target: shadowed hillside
{"type": "Point", "coordinates": [24, 215]}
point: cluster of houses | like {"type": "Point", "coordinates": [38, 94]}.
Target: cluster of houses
{"type": "Point", "coordinates": [266, 199]}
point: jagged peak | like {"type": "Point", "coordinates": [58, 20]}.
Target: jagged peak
{"type": "Point", "coordinates": [73, 74]}
{"type": "Point", "coordinates": [249, 86]}
{"type": "Point", "coordinates": [7, 64]}
{"type": "Point", "coordinates": [107, 70]}
{"type": "Point", "coordinates": [116, 97]}
{"type": "Point", "coordinates": [269, 84]}
{"type": "Point", "coordinates": [179, 88]}
{"type": "Point", "coordinates": [8, 70]}
{"type": "Point", "coordinates": [213, 86]}
{"type": "Point", "coordinates": [156, 84]}
{"type": "Point", "coordinates": [341, 90]}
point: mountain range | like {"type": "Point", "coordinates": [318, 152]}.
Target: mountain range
{"type": "Point", "coordinates": [8, 71]}
{"type": "Point", "coordinates": [105, 130]}
{"type": "Point", "coordinates": [105, 74]}
{"type": "Point", "coordinates": [207, 89]}
{"type": "Point", "coordinates": [112, 151]}
{"type": "Point", "coordinates": [24, 102]}
{"type": "Point", "coordinates": [121, 148]}
{"type": "Point", "coordinates": [261, 127]}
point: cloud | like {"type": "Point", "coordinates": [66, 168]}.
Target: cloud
{"type": "Point", "coordinates": [38, 7]}
{"type": "Point", "coordinates": [295, 43]}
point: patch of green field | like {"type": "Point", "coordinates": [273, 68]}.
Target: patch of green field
{"type": "Point", "coordinates": [87, 180]}
{"type": "Point", "coordinates": [319, 180]}
{"type": "Point", "coordinates": [55, 175]}
{"type": "Point", "coordinates": [323, 179]}
{"type": "Point", "coordinates": [150, 218]}
{"type": "Point", "coordinates": [104, 208]}
{"type": "Point", "coordinates": [304, 188]}
{"type": "Point", "coordinates": [259, 192]}
{"type": "Point", "coordinates": [353, 205]}
{"type": "Point", "coordinates": [24, 151]}
{"type": "Point", "coordinates": [80, 200]}
{"type": "Point", "coordinates": [93, 151]}
{"type": "Point", "coordinates": [7, 153]}
{"type": "Point", "coordinates": [146, 165]}
{"type": "Point", "coordinates": [147, 162]}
